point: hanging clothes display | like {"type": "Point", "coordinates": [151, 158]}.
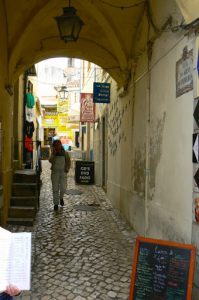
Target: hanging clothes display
{"type": "Point", "coordinates": [29, 144]}
{"type": "Point", "coordinates": [29, 129]}
{"type": "Point", "coordinates": [30, 100]}
{"type": "Point", "coordinates": [29, 114]}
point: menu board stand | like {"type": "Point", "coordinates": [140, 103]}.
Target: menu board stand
{"type": "Point", "coordinates": [162, 270]}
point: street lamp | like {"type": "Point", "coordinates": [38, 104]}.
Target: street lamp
{"type": "Point", "coordinates": [69, 24]}
{"type": "Point", "coordinates": [63, 92]}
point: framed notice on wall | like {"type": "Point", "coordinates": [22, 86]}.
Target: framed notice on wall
{"type": "Point", "coordinates": [162, 270]}
{"type": "Point", "coordinates": [184, 73]}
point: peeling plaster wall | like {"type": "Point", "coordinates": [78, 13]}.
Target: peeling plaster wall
{"type": "Point", "coordinates": [156, 201]}
{"type": "Point", "coordinates": [171, 126]}
{"type": "Point", "coordinates": [137, 204]}
{"type": "Point", "coordinates": [169, 204]}
{"type": "Point", "coordinates": [119, 149]}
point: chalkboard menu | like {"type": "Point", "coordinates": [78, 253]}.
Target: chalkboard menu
{"type": "Point", "coordinates": [162, 270]}
{"type": "Point", "coordinates": [84, 172]}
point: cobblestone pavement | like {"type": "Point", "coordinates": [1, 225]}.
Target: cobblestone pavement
{"type": "Point", "coordinates": [83, 251]}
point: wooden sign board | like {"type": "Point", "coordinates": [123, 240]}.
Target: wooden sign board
{"type": "Point", "coordinates": [162, 270]}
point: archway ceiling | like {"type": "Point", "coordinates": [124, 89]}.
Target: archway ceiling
{"type": "Point", "coordinates": [107, 38]}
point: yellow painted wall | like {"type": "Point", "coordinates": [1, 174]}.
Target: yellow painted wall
{"type": "Point", "coordinates": [6, 113]}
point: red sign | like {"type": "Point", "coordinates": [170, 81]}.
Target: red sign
{"type": "Point", "coordinates": [87, 110]}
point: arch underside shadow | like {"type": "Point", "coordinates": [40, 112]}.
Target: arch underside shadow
{"type": "Point", "coordinates": [99, 41]}
{"type": "Point", "coordinates": [82, 49]}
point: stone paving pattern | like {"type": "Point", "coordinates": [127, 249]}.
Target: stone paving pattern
{"type": "Point", "coordinates": [78, 254]}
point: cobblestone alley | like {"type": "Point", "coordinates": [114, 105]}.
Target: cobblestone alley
{"type": "Point", "coordinates": [82, 251]}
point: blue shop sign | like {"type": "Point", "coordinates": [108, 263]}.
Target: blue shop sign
{"type": "Point", "coordinates": [101, 92]}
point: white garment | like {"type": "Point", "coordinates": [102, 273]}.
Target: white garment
{"type": "Point", "coordinates": [29, 114]}
{"type": "Point", "coordinates": [59, 179]}
{"type": "Point", "coordinates": [59, 182]}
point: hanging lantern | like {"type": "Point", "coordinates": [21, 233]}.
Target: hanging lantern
{"type": "Point", "coordinates": [69, 24]}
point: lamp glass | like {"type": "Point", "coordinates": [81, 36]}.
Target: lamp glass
{"type": "Point", "coordinates": [69, 24]}
{"type": "Point", "coordinates": [63, 94]}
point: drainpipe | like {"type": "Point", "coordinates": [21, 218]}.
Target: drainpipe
{"type": "Point", "coordinates": [147, 163]}
{"type": "Point", "coordinates": [147, 171]}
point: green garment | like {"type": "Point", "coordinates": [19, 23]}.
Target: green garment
{"type": "Point", "coordinates": [30, 101]}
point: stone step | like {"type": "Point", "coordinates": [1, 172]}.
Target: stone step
{"type": "Point", "coordinates": [22, 212]}
{"type": "Point", "coordinates": [24, 189]}
{"type": "Point", "coordinates": [24, 201]}
{"type": "Point", "coordinates": [21, 221]}
{"type": "Point", "coordinates": [25, 176]}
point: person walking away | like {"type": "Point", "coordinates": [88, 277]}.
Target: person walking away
{"type": "Point", "coordinates": [61, 163]}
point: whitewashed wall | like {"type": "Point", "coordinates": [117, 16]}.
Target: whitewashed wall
{"type": "Point", "coordinates": [150, 170]}
{"type": "Point", "coordinates": [161, 206]}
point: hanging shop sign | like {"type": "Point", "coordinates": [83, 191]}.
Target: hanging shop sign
{"type": "Point", "coordinates": [101, 92]}
{"type": "Point", "coordinates": [62, 119]}
{"type": "Point", "coordinates": [62, 105]}
{"type": "Point", "coordinates": [184, 73]}
{"type": "Point", "coordinates": [87, 108]}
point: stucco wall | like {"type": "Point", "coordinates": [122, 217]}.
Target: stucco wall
{"type": "Point", "coordinates": [6, 112]}
{"type": "Point", "coordinates": [171, 126]}
{"type": "Point", "coordinates": [156, 197]}
{"type": "Point", "coordinates": [119, 149]}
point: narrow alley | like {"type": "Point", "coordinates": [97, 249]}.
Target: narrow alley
{"type": "Point", "coordinates": [83, 251]}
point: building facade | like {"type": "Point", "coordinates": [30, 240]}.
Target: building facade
{"type": "Point", "coordinates": [143, 140]}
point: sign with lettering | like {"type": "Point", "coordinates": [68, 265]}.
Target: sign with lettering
{"type": "Point", "coordinates": [84, 172]}
{"type": "Point", "coordinates": [162, 270]}
{"type": "Point", "coordinates": [184, 73]}
{"type": "Point", "coordinates": [87, 108]}
{"type": "Point", "coordinates": [101, 92]}
{"type": "Point", "coordinates": [50, 121]}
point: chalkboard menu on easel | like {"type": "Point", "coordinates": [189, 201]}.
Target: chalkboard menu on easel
{"type": "Point", "coordinates": [162, 270]}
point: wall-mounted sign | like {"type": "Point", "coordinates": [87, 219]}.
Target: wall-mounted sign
{"type": "Point", "coordinates": [87, 109]}
{"type": "Point", "coordinates": [62, 119]}
{"type": "Point", "coordinates": [73, 118]}
{"type": "Point", "coordinates": [184, 73]}
{"type": "Point", "coordinates": [50, 121]}
{"type": "Point", "coordinates": [101, 92]}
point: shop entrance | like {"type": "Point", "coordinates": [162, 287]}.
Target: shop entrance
{"type": "Point", "coordinates": [48, 134]}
